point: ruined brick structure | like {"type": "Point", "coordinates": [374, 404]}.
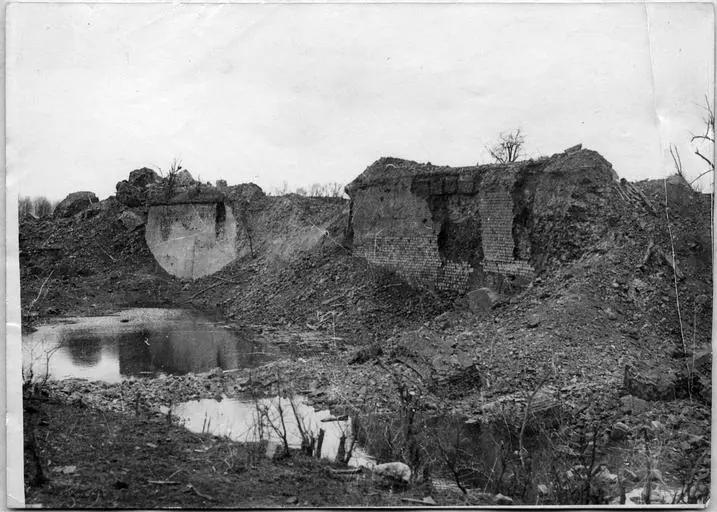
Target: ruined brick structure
{"type": "Point", "coordinates": [497, 225]}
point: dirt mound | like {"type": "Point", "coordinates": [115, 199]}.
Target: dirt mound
{"type": "Point", "coordinates": [88, 263]}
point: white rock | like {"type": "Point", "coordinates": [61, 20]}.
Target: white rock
{"type": "Point", "coordinates": [395, 470]}
{"type": "Point", "coordinates": [503, 500]}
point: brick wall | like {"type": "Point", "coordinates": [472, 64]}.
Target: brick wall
{"type": "Point", "coordinates": [496, 208]}
{"type": "Point", "coordinates": [397, 226]}
{"type": "Point", "coordinates": [416, 258]}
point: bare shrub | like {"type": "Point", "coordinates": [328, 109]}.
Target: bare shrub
{"type": "Point", "coordinates": [169, 184]}
{"type": "Point", "coordinates": [508, 148]}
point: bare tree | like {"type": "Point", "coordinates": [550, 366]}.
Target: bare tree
{"type": "Point", "coordinates": [336, 189]}
{"type": "Point", "coordinates": [708, 137]}
{"type": "Point", "coordinates": [316, 190]}
{"type": "Point", "coordinates": [508, 148]}
{"type": "Point", "coordinates": [24, 207]}
{"type": "Point", "coordinates": [43, 207]}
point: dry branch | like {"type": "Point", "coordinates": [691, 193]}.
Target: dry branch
{"type": "Point", "coordinates": [34, 301]}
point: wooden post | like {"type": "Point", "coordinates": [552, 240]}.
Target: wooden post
{"type": "Point", "coordinates": [341, 455]}
{"type": "Point", "coordinates": [319, 443]}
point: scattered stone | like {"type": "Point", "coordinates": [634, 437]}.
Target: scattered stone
{"type": "Point", "coordinates": [130, 220]}
{"type": "Point", "coordinates": [604, 485]}
{"type": "Point", "coordinates": [461, 379]}
{"type": "Point", "coordinates": [543, 489]}
{"type": "Point", "coordinates": [365, 354]}
{"type": "Point", "coordinates": [632, 332]}
{"type": "Point", "coordinates": [292, 500]}
{"type": "Point", "coordinates": [134, 190]}
{"type": "Point", "coordinates": [130, 195]}
{"type": "Point", "coordinates": [443, 321]}
{"type": "Point", "coordinates": [619, 431]}
{"type": "Point", "coordinates": [65, 470]}
{"type": "Point", "coordinates": [183, 178]}
{"type": "Point", "coordinates": [503, 500]}
{"type": "Point", "coordinates": [534, 321]}
{"type": "Point", "coordinates": [650, 383]}
{"type": "Point", "coordinates": [634, 405]}
{"type": "Point", "coordinates": [480, 498]}
{"type": "Point", "coordinates": [74, 203]}
{"type": "Point", "coordinates": [481, 301]}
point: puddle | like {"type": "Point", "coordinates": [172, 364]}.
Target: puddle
{"type": "Point", "coordinates": [138, 343]}
{"type": "Point", "coordinates": [237, 419]}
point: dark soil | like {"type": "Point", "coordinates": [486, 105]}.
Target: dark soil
{"type": "Point", "coordinates": [96, 459]}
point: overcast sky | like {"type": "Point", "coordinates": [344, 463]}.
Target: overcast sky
{"type": "Point", "coordinates": [315, 93]}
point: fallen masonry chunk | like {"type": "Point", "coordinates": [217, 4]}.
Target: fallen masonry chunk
{"type": "Point", "coordinates": [503, 500]}
{"type": "Point", "coordinates": [365, 354]}
{"type": "Point", "coordinates": [131, 220]}
{"type": "Point", "coordinates": [634, 405]}
{"type": "Point", "coordinates": [143, 177]}
{"type": "Point", "coordinates": [604, 485]}
{"type": "Point", "coordinates": [74, 203]}
{"type": "Point", "coordinates": [651, 383]}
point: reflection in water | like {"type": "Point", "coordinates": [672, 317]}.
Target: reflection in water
{"type": "Point", "coordinates": [138, 342]}
{"type": "Point", "coordinates": [239, 420]}
{"type": "Point", "coordinates": [84, 350]}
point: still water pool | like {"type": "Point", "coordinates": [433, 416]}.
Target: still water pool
{"type": "Point", "coordinates": [247, 420]}
{"type": "Point", "coordinates": [141, 342]}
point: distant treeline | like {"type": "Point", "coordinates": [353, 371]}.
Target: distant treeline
{"type": "Point", "coordinates": [43, 207]}
{"type": "Point", "coordinates": [314, 190]}
{"type": "Point", "coordinates": [37, 206]}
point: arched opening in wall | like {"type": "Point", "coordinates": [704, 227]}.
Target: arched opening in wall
{"type": "Point", "coordinates": [220, 221]}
